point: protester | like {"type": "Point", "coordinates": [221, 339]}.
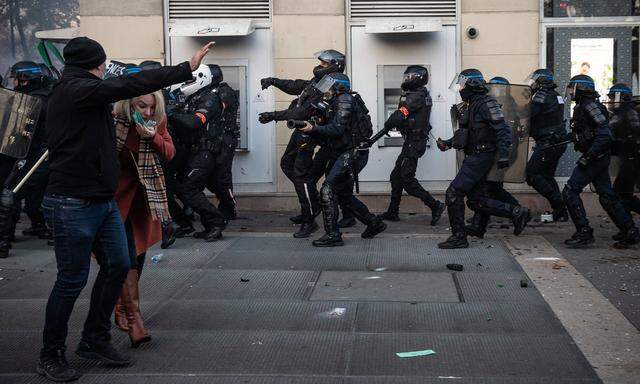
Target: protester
{"type": "Point", "coordinates": [79, 202]}
{"type": "Point", "coordinates": [141, 139]}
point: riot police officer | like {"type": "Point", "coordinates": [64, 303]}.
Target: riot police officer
{"type": "Point", "coordinates": [592, 138]}
{"type": "Point", "coordinates": [412, 120]}
{"type": "Point", "coordinates": [297, 161]}
{"type": "Point", "coordinates": [28, 77]}
{"type": "Point", "coordinates": [201, 118]}
{"type": "Point", "coordinates": [549, 132]}
{"type": "Point", "coordinates": [340, 132]}
{"type": "Point", "coordinates": [482, 134]}
{"type": "Point", "coordinates": [221, 183]}
{"type": "Point", "coordinates": [625, 127]}
{"type": "Point", "coordinates": [494, 189]}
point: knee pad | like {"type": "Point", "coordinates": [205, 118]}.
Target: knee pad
{"type": "Point", "coordinates": [451, 196]}
{"type": "Point", "coordinates": [531, 179]}
{"type": "Point", "coordinates": [568, 193]}
{"type": "Point", "coordinates": [326, 193]}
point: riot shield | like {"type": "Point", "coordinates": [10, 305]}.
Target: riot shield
{"type": "Point", "coordinates": [516, 106]}
{"type": "Point", "coordinates": [19, 113]}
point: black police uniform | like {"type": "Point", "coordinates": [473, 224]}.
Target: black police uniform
{"type": "Point", "coordinates": [337, 135]}
{"type": "Point", "coordinates": [297, 161]}
{"type": "Point", "coordinates": [221, 182]}
{"type": "Point", "coordinates": [487, 133]}
{"type": "Point", "coordinates": [547, 128]}
{"type": "Point", "coordinates": [592, 137]}
{"type": "Point", "coordinates": [412, 120]}
{"type": "Point", "coordinates": [625, 126]}
{"type": "Point", "coordinates": [202, 163]}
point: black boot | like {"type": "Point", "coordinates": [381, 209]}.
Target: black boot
{"type": "Point", "coordinates": [168, 235]}
{"type": "Point", "coordinates": [475, 231]}
{"type": "Point", "coordinates": [436, 213]}
{"type": "Point", "coordinates": [390, 216]}
{"type": "Point", "coordinates": [631, 238]}
{"type": "Point", "coordinates": [329, 240]}
{"type": "Point", "coordinates": [306, 229]}
{"type": "Point", "coordinates": [184, 231]}
{"type": "Point", "coordinates": [104, 353]}
{"type": "Point", "coordinates": [581, 239]}
{"type": "Point", "coordinates": [209, 234]}
{"type": "Point", "coordinates": [4, 250]}
{"type": "Point", "coordinates": [346, 222]}
{"type": "Point", "coordinates": [455, 241]}
{"type": "Point", "coordinates": [618, 236]}
{"type": "Point", "coordinates": [375, 227]}
{"type": "Point", "coordinates": [521, 216]}
{"type": "Point", "coordinates": [297, 219]}
{"type": "Point", "coordinates": [56, 368]}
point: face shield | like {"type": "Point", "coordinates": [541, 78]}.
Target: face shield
{"type": "Point", "coordinates": [460, 81]}
{"type": "Point", "coordinates": [326, 86]}
{"type": "Point", "coordinates": [570, 91]}
{"type": "Point", "coordinates": [409, 77]}
{"type": "Point", "coordinates": [531, 79]}
{"type": "Point", "coordinates": [499, 91]}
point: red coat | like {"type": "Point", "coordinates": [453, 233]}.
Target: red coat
{"type": "Point", "coordinates": [130, 195]}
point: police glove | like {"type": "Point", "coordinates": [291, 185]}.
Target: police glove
{"type": "Point", "coordinates": [443, 145]}
{"type": "Point", "coordinates": [583, 161]}
{"type": "Point", "coordinates": [395, 120]}
{"type": "Point", "coordinates": [267, 82]}
{"type": "Point", "coordinates": [266, 117]}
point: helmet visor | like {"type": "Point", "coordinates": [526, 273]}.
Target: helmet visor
{"type": "Point", "coordinates": [327, 82]}
{"type": "Point", "coordinates": [408, 77]}
{"type": "Point", "coordinates": [533, 77]}
{"type": "Point", "coordinates": [460, 81]}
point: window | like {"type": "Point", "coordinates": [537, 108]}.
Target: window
{"type": "Point", "coordinates": [236, 77]}
{"type": "Point", "coordinates": [389, 93]}
{"type": "Point", "coordinates": [591, 8]}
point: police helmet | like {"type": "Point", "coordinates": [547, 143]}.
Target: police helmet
{"type": "Point", "coordinates": [415, 76]}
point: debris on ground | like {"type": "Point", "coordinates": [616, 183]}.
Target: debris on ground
{"type": "Point", "coordinates": [425, 352]}
{"type": "Point", "coordinates": [157, 258]}
{"type": "Point", "coordinates": [338, 312]}
{"type": "Point", "coordinates": [559, 264]}
{"type": "Point", "coordinates": [244, 280]}
{"type": "Point", "coordinates": [524, 283]}
{"type": "Point", "coordinates": [500, 285]}
{"type": "Point", "coordinates": [455, 267]}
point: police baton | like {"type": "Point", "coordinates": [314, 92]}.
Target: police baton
{"type": "Point", "coordinates": [31, 171]}
{"type": "Point", "coordinates": [549, 146]}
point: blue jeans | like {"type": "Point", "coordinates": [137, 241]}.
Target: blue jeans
{"type": "Point", "coordinates": [81, 227]}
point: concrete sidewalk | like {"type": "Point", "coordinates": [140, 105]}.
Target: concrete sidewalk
{"type": "Point", "coordinates": [262, 307]}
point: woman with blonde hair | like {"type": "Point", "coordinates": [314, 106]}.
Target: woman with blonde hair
{"type": "Point", "coordinates": [141, 139]}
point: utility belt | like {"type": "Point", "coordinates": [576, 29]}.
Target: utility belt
{"type": "Point", "coordinates": [414, 134]}
{"type": "Point", "coordinates": [479, 148]}
{"type": "Point", "coordinates": [583, 139]}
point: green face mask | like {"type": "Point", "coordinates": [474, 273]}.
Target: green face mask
{"type": "Point", "coordinates": [138, 119]}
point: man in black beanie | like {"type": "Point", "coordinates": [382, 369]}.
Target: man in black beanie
{"type": "Point", "coordinates": [79, 203]}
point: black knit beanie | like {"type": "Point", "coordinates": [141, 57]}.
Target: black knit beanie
{"type": "Point", "coordinates": [84, 53]}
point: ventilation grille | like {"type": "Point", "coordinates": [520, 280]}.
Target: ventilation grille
{"type": "Point", "coordinates": [361, 9]}
{"type": "Point", "coordinates": [219, 9]}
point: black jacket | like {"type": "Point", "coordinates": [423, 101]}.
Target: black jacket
{"type": "Point", "coordinates": [81, 135]}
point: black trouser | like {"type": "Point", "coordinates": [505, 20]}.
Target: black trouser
{"type": "Point", "coordinates": [625, 183]}
{"type": "Point", "coordinates": [541, 171]}
{"type": "Point", "coordinates": [6, 167]}
{"type": "Point", "coordinates": [597, 173]}
{"type": "Point", "coordinates": [200, 169]}
{"type": "Point", "coordinates": [403, 175]}
{"type": "Point", "coordinates": [174, 175]}
{"type": "Point", "coordinates": [494, 190]}
{"type": "Point", "coordinates": [32, 192]}
{"type": "Point", "coordinates": [469, 182]}
{"type": "Point", "coordinates": [297, 165]}
{"type": "Point", "coordinates": [338, 186]}
{"type": "Point", "coordinates": [221, 182]}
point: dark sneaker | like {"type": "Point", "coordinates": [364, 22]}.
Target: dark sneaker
{"type": "Point", "coordinates": [520, 220]}
{"type": "Point", "coordinates": [436, 213]}
{"type": "Point", "coordinates": [561, 215]}
{"type": "Point", "coordinates": [581, 239]}
{"type": "Point", "coordinates": [4, 252]}
{"type": "Point", "coordinates": [347, 222]}
{"type": "Point", "coordinates": [306, 229]}
{"type": "Point", "coordinates": [454, 242]}
{"type": "Point", "coordinates": [168, 235]}
{"type": "Point", "coordinates": [475, 232]}
{"type": "Point", "coordinates": [209, 235]}
{"type": "Point", "coordinates": [104, 353]}
{"type": "Point", "coordinates": [329, 240]}
{"type": "Point", "coordinates": [35, 230]}
{"type": "Point", "coordinates": [390, 216]}
{"type": "Point", "coordinates": [297, 219]}
{"type": "Point", "coordinates": [56, 368]}
{"type": "Point", "coordinates": [631, 238]}
{"type": "Point", "coordinates": [377, 226]}
{"type": "Point", "coordinates": [184, 231]}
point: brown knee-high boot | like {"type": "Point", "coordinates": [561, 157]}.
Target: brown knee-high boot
{"type": "Point", "coordinates": [138, 334]}
{"type": "Point", "coordinates": [120, 315]}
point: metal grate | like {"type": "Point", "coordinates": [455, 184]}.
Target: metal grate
{"type": "Point", "coordinates": [359, 9]}
{"type": "Point", "coordinates": [219, 9]}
